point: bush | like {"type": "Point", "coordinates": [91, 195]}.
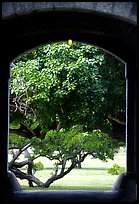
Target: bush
{"type": "Point", "coordinates": [38, 166]}
{"type": "Point", "coordinates": [116, 169]}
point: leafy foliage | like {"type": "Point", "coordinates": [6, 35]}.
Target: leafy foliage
{"type": "Point", "coordinates": [38, 166]}
{"type": "Point", "coordinates": [72, 84]}
{"type": "Point", "coordinates": [64, 143]}
{"type": "Point", "coordinates": [64, 94]}
{"type": "Point", "coordinates": [116, 169]}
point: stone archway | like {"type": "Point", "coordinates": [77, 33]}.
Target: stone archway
{"type": "Point", "coordinates": [110, 25]}
{"type": "Point", "coordinates": [92, 18]}
{"type": "Point", "coordinates": [125, 10]}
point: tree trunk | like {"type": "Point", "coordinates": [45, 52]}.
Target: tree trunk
{"type": "Point", "coordinates": [30, 167]}
{"type": "Point", "coordinates": [30, 178]}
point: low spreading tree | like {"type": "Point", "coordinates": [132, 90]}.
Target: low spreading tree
{"type": "Point", "coordinates": [67, 148]}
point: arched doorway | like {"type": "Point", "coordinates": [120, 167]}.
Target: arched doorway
{"type": "Point", "coordinates": [112, 34]}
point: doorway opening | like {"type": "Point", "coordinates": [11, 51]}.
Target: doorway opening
{"type": "Point", "coordinates": [67, 117]}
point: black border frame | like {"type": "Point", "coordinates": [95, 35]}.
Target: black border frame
{"type": "Point", "coordinates": [119, 37]}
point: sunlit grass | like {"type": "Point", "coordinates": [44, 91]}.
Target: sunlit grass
{"type": "Point", "coordinates": [93, 175]}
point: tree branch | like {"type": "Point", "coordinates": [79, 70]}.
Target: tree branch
{"type": "Point", "coordinates": [116, 120]}
{"type": "Point", "coordinates": [29, 177]}
{"type": "Point", "coordinates": [20, 152]}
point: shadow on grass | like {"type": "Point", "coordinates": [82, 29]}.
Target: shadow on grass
{"type": "Point", "coordinates": [93, 168]}
{"type": "Point", "coordinates": [81, 169]}
{"type": "Point", "coordinates": [36, 188]}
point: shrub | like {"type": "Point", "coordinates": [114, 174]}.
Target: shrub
{"type": "Point", "coordinates": [38, 166]}
{"type": "Point", "coordinates": [116, 169]}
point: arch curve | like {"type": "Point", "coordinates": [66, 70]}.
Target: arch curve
{"type": "Point", "coordinates": [125, 10]}
{"type": "Point", "coordinates": [28, 31]}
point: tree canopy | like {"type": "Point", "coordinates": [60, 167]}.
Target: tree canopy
{"type": "Point", "coordinates": [58, 85]}
{"type": "Point", "coordinates": [67, 100]}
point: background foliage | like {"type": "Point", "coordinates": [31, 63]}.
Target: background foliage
{"type": "Point", "coordinates": [65, 101]}
{"type": "Point", "coordinates": [78, 84]}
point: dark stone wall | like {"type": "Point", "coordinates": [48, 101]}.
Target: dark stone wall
{"type": "Point", "coordinates": [125, 10]}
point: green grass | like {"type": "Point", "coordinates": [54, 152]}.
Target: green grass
{"type": "Point", "coordinates": [92, 176]}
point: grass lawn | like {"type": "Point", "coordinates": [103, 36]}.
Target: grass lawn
{"type": "Point", "coordinates": [92, 176]}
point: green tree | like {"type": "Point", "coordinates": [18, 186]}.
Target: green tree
{"type": "Point", "coordinates": [58, 85]}
{"type": "Point", "coordinates": [67, 148]}
{"type": "Point", "coordinates": [56, 88]}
